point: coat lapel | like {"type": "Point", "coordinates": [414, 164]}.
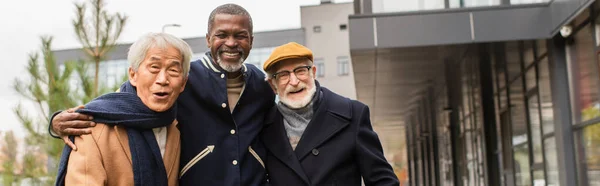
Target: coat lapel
{"type": "Point", "coordinates": [279, 144]}
{"type": "Point", "coordinates": [172, 147]}
{"type": "Point", "coordinates": [332, 115]}
{"type": "Point", "coordinates": [124, 141]}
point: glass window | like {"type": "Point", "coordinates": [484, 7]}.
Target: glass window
{"type": "Point", "coordinates": [529, 56]}
{"type": "Point", "coordinates": [521, 157]}
{"type": "Point", "coordinates": [343, 67]}
{"type": "Point", "coordinates": [472, 3]}
{"type": "Point", "coordinates": [513, 60]}
{"type": "Point", "coordinates": [518, 121]}
{"type": "Point", "coordinates": [546, 97]}
{"type": "Point", "coordinates": [538, 178]}
{"type": "Point", "coordinates": [551, 161]}
{"type": "Point", "coordinates": [514, 2]}
{"type": "Point", "coordinates": [541, 47]}
{"type": "Point", "coordinates": [531, 81]}
{"type": "Point", "coordinates": [380, 6]}
{"type": "Point", "coordinates": [589, 143]}
{"type": "Point", "coordinates": [317, 29]}
{"type": "Point", "coordinates": [320, 64]}
{"type": "Point", "coordinates": [536, 130]}
{"type": "Point", "coordinates": [584, 75]}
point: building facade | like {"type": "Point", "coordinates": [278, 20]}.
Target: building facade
{"type": "Point", "coordinates": [326, 32]}
{"type": "Point", "coordinates": [487, 92]}
{"type": "Point", "coordinates": [114, 68]}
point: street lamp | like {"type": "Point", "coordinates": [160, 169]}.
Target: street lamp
{"type": "Point", "coordinates": [170, 25]}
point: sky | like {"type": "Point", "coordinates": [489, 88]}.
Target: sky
{"type": "Point", "coordinates": [22, 22]}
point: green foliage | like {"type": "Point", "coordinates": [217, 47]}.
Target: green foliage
{"type": "Point", "coordinates": [591, 138]}
{"type": "Point", "coordinates": [98, 36]}
{"type": "Point", "coordinates": [9, 144]}
{"type": "Point", "coordinates": [52, 87]}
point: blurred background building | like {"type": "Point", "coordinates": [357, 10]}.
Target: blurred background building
{"type": "Point", "coordinates": [462, 92]}
{"type": "Point", "coordinates": [488, 92]}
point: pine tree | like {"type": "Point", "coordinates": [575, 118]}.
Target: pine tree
{"type": "Point", "coordinates": [9, 155]}
{"type": "Point", "coordinates": [99, 36]}
{"type": "Point", "coordinates": [50, 85]}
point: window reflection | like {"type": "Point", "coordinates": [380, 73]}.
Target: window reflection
{"type": "Point", "coordinates": [585, 81]}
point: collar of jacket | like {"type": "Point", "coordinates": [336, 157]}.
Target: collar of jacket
{"type": "Point", "coordinates": [325, 102]}
{"type": "Point", "coordinates": [209, 63]}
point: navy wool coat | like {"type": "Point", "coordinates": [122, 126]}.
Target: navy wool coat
{"type": "Point", "coordinates": [220, 148]}
{"type": "Point", "coordinates": [338, 147]}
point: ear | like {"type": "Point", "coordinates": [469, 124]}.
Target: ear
{"type": "Point", "coordinates": [208, 39]}
{"type": "Point", "coordinates": [314, 71]}
{"type": "Point", "coordinates": [270, 81]}
{"type": "Point", "coordinates": [184, 83]}
{"type": "Point", "coordinates": [132, 77]}
{"type": "Point", "coordinates": [251, 40]}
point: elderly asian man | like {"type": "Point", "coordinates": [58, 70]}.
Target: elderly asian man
{"type": "Point", "coordinates": [144, 147]}
{"type": "Point", "coordinates": [315, 136]}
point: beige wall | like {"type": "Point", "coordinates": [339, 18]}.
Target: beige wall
{"type": "Point", "coordinates": [330, 43]}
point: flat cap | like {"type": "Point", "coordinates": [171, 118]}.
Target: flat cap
{"type": "Point", "coordinates": [287, 51]}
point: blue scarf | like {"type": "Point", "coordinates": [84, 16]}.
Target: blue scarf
{"type": "Point", "coordinates": [126, 109]}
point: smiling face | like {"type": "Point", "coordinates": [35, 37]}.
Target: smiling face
{"type": "Point", "coordinates": [159, 79]}
{"type": "Point", "coordinates": [297, 89]}
{"type": "Point", "coordinates": [230, 41]}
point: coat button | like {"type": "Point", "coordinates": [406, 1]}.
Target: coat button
{"type": "Point", "coordinates": [222, 75]}
{"type": "Point", "coordinates": [315, 152]}
{"type": "Point", "coordinates": [232, 131]}
{"type": "Point", "coordinates": [223, 105]}
{"type": "Point", "coordinates": [234, 162]}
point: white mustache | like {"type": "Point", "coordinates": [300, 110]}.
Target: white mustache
{"type": "Point", "coordinates": [294, 89]}
{"type": "Point", "coordinates": [221, 50]}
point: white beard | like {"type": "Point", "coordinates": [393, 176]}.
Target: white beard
{"type": "Point", "coordinates": [230, 67]}
{"type": "Point", "coordinates": [297, 104]}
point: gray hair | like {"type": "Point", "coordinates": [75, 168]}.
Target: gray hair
{"type": "Point", "coordinates": [229, 9]}
{"type": "Point", "coordinates": [137, 51]}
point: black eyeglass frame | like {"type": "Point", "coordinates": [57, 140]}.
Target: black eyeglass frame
{"type": "Point", "coordinates": [308, 67]}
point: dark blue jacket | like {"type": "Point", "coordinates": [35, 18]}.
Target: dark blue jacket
{"type": "Point", "coordinates": [205, 120]}
{"type": "Point", "coordinates": [338, 147]}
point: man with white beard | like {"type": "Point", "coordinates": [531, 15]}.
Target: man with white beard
{"type": "Point", "coordinates": [314, 136]}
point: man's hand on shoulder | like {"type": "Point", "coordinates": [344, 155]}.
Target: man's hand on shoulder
{"type": "Point", "coordinates": [70, 123]}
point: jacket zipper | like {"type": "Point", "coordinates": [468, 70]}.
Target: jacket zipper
{"type": "Point", "coordinates": [197, 158]}
{"type": "Point", "coordinates": [256, 156]}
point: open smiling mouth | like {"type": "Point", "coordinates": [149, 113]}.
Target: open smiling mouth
{"type": "Point", "coordinates": [161, 95]}
{"type": "Point", "coordinates": [298, 91]}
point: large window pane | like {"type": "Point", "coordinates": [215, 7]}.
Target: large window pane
{"type": "Point", "coordinates": [522, 176]}
{"type": "Point", "coordinates": [536, 138]}
{"type": "Point", "coordinates": [551, 161]}
{"type": "Point", "coordinates": [476, 3]}
{"type": "Point", "coordinates": [546, 97]}
{"type": "Point", "coordinates": [591, 145]}
{"type": "Point", "coordinates": [541, 47]}
{"type": "Point", "coordinates": [380, 6]}
{"type": "Point", "coordinates": [538, 178]}
{"type": "Point", "coordinates": [584, 75]}
{"type": "Point", "coordinates": [513, 60]}
{"type": "Point", "coordinates": [514, 2]}
{"type": "Point", "coordinates": [531, 81]}
{"type": "Point", "coordinates": [518, 121]}
{"type": "Point", "coordinates": [529, 56]}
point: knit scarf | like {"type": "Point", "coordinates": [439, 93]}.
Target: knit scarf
{"type": "Point", "coordinates": [295, 121]}
{"type": "Point", "coordinates": [126, 109]}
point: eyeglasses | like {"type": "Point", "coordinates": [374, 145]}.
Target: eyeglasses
{"type": "Point", "coordinates": [284, 76]}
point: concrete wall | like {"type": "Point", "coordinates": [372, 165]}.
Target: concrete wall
{"type": "Point", "coordinates": [330, 43]}
{"type": "Point", "coordinates": [464, 25]}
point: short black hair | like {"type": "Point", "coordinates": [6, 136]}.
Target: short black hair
{"type": "Point", "coordinates": [230, 9]}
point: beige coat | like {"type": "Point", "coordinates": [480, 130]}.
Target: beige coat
{"type": "Point", "coordinates": [103, 157]}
